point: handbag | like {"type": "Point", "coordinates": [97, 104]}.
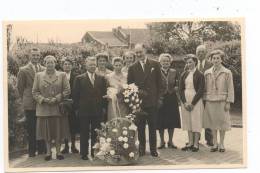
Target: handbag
{"type": "Point", "coordinates": [66, 105]}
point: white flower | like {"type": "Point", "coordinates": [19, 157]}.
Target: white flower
{"type": "Point", "coordinates": [133, 98]}
{"type": "Point", "coordinates": [108, 139]}
{"type": "Point", "coordinates": [132, 127]}
{"type": "Point", "coordinates": [124, 132]}
{"type": "Point", "coordinates": [137, 100]}
{"type": "Point", "coordinates": [131, 154]}
{"type": "Point", "coordinates": [105, 147]}
{"type": "Point", "coordinates": [131, 105]}
{"type": "Point", "coordinates": [125, 145]}
{"type": "Point", "coordinates": [134, 107]}
{"type": "Point", "coordinates": [125, 139]}
{"type": "Point", "coordinates": [137, 105]}
{"type": "Point", "coordinates": [137, 142]}
{"type": "Point", "coordinates": [114, 130]}
{"type": "Point", "coordinates": [102, 140]}
{"type": "Point", "coordinates": [112, 152]}
{"type": "Point", "coordinates": [126, 100]}
{"type": "Point", "coordinates": [124, 128]}
{"type": "Point", "coordinates": [152, 69]}
{"type": "Point", "coordinates": [120, 138]}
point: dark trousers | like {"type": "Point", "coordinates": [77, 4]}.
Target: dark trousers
{"type": "Point", "coordinates": [87, 127]}
{"type": "Point", "coordinates": [208, 136]}
{"type": "Point", "coordinates": [150, 119]}
{"type": "Point", "coordinates": [33, 145]}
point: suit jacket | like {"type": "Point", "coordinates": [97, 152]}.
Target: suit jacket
{"type": "Point", "coordinates": [88, 99]}
{"type": "Point", "coordinates": [207, 65]}
{"type": "Point", "coordinates": [25, 80]}
{"type": "Point", "coordinates": [73, 75]}
{"type": "Point", "coordinates": [169, 81]}
{"type": "Point", "coordinates": [220, 87]}
{"type": "Point", "coordinates": [45, 87]}
{"type": "Point", "coordinates": [198, 82]}
{"type": "Point", "coordinates": [149, 81]}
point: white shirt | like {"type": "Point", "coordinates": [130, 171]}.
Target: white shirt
{"type": "Point", "coordinates": [68, 76]}
{"type": "Point", "coordinates": [143, 62]}
{"type": "Point", "coordinates": [34, 68]}
{"type": "Point", "coordinates": [202, 63]}
{"type": "Point", "coordinates": [91, 77]}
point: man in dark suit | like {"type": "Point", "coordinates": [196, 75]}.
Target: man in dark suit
{"type": "Point", "coordinates": [203, 65]}
{"type": "Point", "coordinates": [87, 94]}
{"type": "Point", "coordinates": [24, 84]}
{"type": "Point", "coordinates": [146, 74]}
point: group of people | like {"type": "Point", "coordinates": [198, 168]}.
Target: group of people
{"type": "Point", "coordinates": [204, 90]}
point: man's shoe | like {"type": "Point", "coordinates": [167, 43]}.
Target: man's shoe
{"type": "Point", "coordinates": [47, 158]}
{"type": "Point", "coordinates": [162, 146]}
{"type": "Point", "coordinates": [84, 157]}
{"type": "Point", "coordinates": [59, 157]}
{"type": "Point", "coordinates": [154, 154]}
{"type": "Point", "coordinates": [32, 155]}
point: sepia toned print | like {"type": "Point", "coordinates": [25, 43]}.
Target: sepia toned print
{"type": "Point", "coordinates": [124, 94]}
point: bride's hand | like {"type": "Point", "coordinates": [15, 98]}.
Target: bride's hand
{"type": "Point", "coordinates": [106, 97]}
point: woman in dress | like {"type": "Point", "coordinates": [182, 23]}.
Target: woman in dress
{"type": "Point", "coordinates": [219, 93]}
{"type": "Point", "coordinates": [116, 79]}
{"type": "Point", "coordinates": [169, 115]}
{"type": "Point", "coordinates": [102, 61]}
{"type": "Point", "coordinates": [129, 59]}
{"type": "Point", "coordinates": [191, 89]}
{"type": "Point", "coordinates": [49, 89]}
{"type": "Point", "coordinates": [72, 117]}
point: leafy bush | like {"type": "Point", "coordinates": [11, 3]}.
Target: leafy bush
{"type": "Point", "coordinates": [16, 123]}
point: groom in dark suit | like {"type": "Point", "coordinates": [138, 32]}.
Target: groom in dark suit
{"type": "Point", "coordinates": [87, 94]}
{"type": "Point", "coordinates": [146, 74]}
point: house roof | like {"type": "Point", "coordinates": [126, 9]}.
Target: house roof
{"type": "Point", "coordinates": [106, 37]}
{"type": "Point", "coordinates": [138, 35]}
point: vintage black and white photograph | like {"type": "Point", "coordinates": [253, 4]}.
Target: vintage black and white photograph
{"type": "Point", "coordinates": [124, 94]}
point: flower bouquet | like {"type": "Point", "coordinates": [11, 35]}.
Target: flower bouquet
{"type": "Point", "coordinates": [131, 98]}
{"type": "Point", "coordinates": [117, 142]}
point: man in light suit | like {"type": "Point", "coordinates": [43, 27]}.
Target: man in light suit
{"type": "Point", "coordinates": [87, 94]}
{"type": "Point", "coordinates": [203, 65]}
{"type": "Point", "coordinates": [146, 74]}
{"type": "Point", "coordinates": [24, 84]}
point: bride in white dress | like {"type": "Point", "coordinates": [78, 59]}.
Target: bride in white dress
{"type": "Point", "coordinates": [116, 79]}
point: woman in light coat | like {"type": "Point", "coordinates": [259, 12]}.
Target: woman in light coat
{"type": "Point", "coordinates": [219, 93]}
{"type": "Point", "coordinates": [49, 88]}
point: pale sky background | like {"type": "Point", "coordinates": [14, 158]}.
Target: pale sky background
{"type": "Point", "coordinates": [67, 31]}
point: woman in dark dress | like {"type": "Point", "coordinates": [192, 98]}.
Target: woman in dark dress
{"type": "Point", "coordinates": [168, 116]}
{"type": "Point", "coordinates": [72, 118]}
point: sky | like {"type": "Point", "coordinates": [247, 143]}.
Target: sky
{"type": "Point", "coordinates": [66, 31]}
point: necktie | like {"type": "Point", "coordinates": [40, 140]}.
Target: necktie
{"type": "Point", "coordinates": [36, 68]}
{"type": "Point", "coordinates": [143, 65]}
{"type": "Point", "coordinates": [200, 66]}
{"type": "Point", "coordinates": [92, 78]}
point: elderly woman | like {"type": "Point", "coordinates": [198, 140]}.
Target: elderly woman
{"type": "Point", "coordinates": [50, 87]}
{"type": "Point", "coordinates": [129, 59]}
{"type": "Point", "coordinates": [102, 62]}
{"type": "Point", "coordinates": [219, 93]}
{"type": "Point", "coordinates": [72, 117]}
{"type": "Point", "coordinates": [191, 89]}
{"type": "Point", "coordinates": [169, 115]}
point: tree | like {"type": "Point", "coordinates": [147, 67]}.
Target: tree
{"type": "Point", "coordinates": [190, 34]}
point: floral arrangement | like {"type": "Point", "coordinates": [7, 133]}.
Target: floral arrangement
{"type": "Point", "coordinates": [117, 142]}
{"type": "Point", "coordinates": [131, 98]}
